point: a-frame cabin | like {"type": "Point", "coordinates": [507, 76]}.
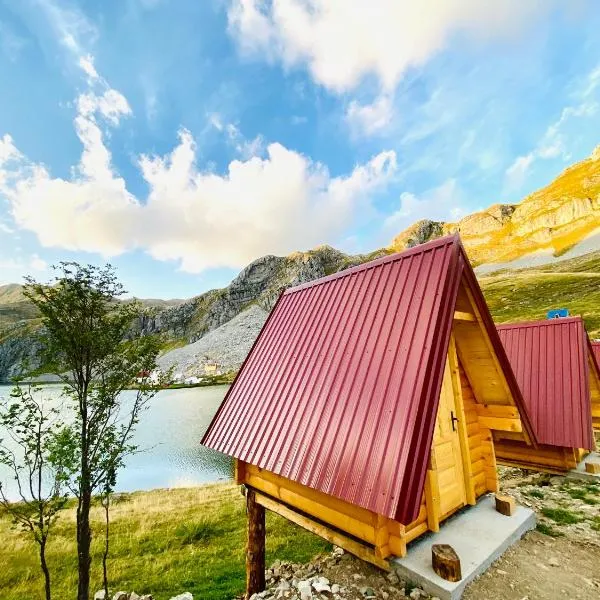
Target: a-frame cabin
{"type": "Point", "coordinates": [366, 408]}
{"type": "Point", "coordinates": [554, 364]}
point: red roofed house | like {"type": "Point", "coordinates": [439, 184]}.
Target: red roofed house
{"type": "Point", "coordinates": [596, 350]}
{"type": "Point", "coordinates": [560, 382]}
{"type": "Point", "coordinates": [366, 407]}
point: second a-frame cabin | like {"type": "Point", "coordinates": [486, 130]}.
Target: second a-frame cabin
{"type": "Point", "coordinates": [366, 409]}
{"type": "Point", "coordinates": [554, 364]}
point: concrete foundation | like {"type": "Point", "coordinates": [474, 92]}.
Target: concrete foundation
{"type": "Point", "coordinates": [580, 472]}
{"type": "Point", "coordinates": [478, 534]}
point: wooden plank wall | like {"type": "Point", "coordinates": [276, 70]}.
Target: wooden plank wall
{"type": "Point", "coordinates": [481, 444]}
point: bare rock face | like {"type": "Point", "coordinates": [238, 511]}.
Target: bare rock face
{"type": "Point", "coordinates": [260, 283]}
{"type": "Point", "coordinates": [550, 220]}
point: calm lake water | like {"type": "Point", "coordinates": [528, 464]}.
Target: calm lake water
{"type": "Point", "coordinates": [169, 434]}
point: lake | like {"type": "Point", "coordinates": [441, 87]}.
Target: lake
{"type": "Point", "coordinates": [169, 434]}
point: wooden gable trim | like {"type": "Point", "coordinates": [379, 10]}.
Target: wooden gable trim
{"type": "Point", "coordinates": [493, 416]}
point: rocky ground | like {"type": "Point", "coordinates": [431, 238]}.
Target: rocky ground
{"type": "Point", "coordinates": [226, 346]}
{"type": "Point", "coordinates": [559, 560]}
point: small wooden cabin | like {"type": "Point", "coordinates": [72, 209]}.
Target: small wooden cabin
{"type": "Point", "coordinates": [559, 379]}
{"type": "Point", "coordinates": [596, 351]}
{"type": "Point", "coordinates": [365, 410]}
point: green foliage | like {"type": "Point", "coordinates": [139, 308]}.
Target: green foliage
{"type": "Point", "coordinates": [581, 494]}
{"type": "Point", "coordinates": [85, 343]}
{"type": "Point", "coordinates": [30, 456]}
{"type": "Point", "coordinates": [562, 516]}
{"type": "Point", "coordinates": [535, 493]}
{"type": "Point", "coordinates": [548, 530]}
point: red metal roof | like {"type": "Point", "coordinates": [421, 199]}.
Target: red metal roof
{"type": "Point", "coordinates": [551, 362]}
{"type": "Point", "coordinates": [341, 388]}
{"type": "Point", "coordinates": [596, 350]}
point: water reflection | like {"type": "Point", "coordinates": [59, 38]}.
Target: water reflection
{"type": "Point", "coordinates": [168, 437]}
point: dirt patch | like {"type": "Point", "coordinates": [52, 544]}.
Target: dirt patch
{"type": "Point", "coordinates": [541, 567]}
{"type": "Point", "coordinates": [559, 560]}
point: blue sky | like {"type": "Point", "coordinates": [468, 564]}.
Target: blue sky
{"type": "Point", "coordinates": [179, 139]}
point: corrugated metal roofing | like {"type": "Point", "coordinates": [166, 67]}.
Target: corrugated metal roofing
{"type": "Point", "coordinates": [551, 362]}
{"type": "Point", "coordinates": [596, 350]}
{"type": "Point", "coordinates": [341, 388]}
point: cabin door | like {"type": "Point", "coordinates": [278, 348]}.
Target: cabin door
{"type": "Point", "coordinates": [446, 455]}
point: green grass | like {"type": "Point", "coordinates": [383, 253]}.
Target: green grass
{"type": "Point", "coordinates": [164, 542]}
{"type": "Point", "coordinates": [548, 530]}
{"type": "Point", "coordinates": [562, 516]}
{"type": "Point", "coordinates": [535, 494]}
{"type": "Point", "coordinates": [527, 294]}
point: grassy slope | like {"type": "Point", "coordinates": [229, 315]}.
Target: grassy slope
{"type": "Point", "coordinates": [164, 542]}
{"type": "Point", "coordinates": [526, 294]}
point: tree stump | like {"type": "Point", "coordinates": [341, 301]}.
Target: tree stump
{"type": "Point", "coordinates": [446, 562]}
{"type": "Point", "coordinates": [505, 505]}
{"type": "Point", "coordinates": [255, 550]}
{"type": "Point", "coordinates": [591, 467]}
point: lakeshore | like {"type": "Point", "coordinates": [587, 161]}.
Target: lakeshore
{"type": "Point", "coordinates": [168, 438]}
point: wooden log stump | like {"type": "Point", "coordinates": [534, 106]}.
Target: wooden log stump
{"type": "Point", "coordinates": [446, 562]}
{"type": "Point", "coordinates": [255, 549]}
{"type": "Point", "coordinates": [591, 467]}
{"type": "Point", "coordinates": [505, 505]}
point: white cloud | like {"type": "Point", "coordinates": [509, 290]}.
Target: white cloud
{"type": "Point", "coordinates": [341, 42]}
{"type": "Point", "coordinates": [554, 144]}
{"type": "Point", "coordinates": [370, 118]}
{"type": "Point", "coordinates": [442, 203]}
{"type": "Point", "coordinates": [70, 25]}
{"type": "Point", "coordinates": [87, 64]}
{"type": "Point", "coordinates": [37, 264]}
{"type": "Point", "coordinates": [273, 203]}
{"type": "Point", "coordinates": [518, 170]}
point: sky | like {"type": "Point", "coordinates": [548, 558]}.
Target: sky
{"type": "Point", "coordinates": [181, 139]}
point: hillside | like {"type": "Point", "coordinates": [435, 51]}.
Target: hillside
{"type": "Point", "coordinates": [526, 294]}
{"type": "Point", "coordinates": [549, 221]}
{"type": "Point", "coordinates": [545, 225]}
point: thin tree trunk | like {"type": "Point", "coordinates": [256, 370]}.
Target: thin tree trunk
{"type": "Point", "coordinates": [84, 540]}
{"type": "Point", "coordinates": [106, 540]}
{"type": "Point", "coordinates": [44, 566]}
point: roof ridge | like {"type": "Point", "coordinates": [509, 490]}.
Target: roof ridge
{"type": "Point", "coordinates": [540, 322]}
{"type": "Point", "coordinates": [446, 240]}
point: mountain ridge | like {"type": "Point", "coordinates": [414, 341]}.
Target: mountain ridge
{"type": "Point", "coordinates": [552, 220]}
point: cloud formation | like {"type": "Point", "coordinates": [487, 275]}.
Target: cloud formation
{"type": "Point", "coordinates": [272, 200]}
{"type": "Point", "coordinates": [553, 143]}
{"type": "Point", "coordinates": [442, 203]}
{"type": "Point", "coordinates": [342, 42]}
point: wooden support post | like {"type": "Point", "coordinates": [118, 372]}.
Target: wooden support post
{"type": "Point", "coordinates": [505, 505]}
{"type": "Point", "coordinates": [255, 550]}
{"type": "Point", "coordinates": [445, 562]}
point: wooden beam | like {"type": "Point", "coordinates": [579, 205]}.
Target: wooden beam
{"type": "Point", "coordinates": [330, 535]}
{"type": "Point", "coordinates": [238, 471]}
{"type": "Point", "coordinates": [501, 424]}
{"type": "Point", "coordinates": [432, 500]}
{"type": "Point", "coordinates": [462, 423]}
{"type": "Point", "coordinates": [255, 548]}
{"type": "Point", "coordinates": [459, 315]}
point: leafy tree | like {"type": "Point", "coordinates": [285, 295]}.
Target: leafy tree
{"type": "Point", "coordinates": [87, 343]}
{"type": "Point", "coordinates": [30, 455]}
